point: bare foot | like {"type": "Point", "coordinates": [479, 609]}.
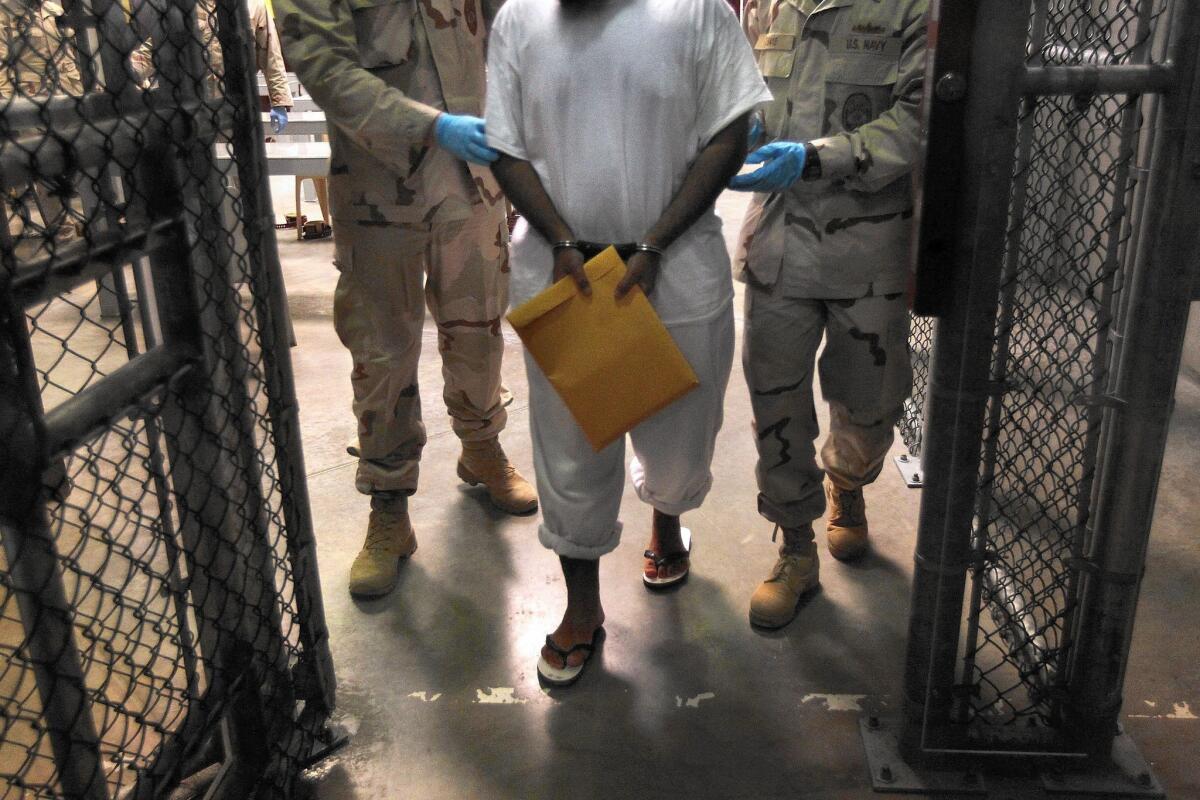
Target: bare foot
{"type": "Point", "coordinates": [574, 629]}
{"type": "Point", "coordinates": [666, 540]}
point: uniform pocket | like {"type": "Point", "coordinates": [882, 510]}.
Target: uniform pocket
{"type": "Point", "coordinates": [858, 88]}
{"type": "Point", "coordinates": [864, 70]}
{"type": "Point", "coordinates": [776, 54]}
{"type": "Point", "coordinates": [383, 30]}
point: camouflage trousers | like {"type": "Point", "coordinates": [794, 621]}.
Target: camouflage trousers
{"type": "Point", "coordinates": [865, 377]}
{"type": "Point", "coordinates": [389, 274]}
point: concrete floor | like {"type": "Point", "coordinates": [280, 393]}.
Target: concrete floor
{"type": "Point", "coordinates": [437, 681]}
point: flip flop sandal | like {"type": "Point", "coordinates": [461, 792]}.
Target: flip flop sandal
{"type": "Point", "coordinates": [671, 558]}
{"type": "Point", "coordinates": [563, 676]}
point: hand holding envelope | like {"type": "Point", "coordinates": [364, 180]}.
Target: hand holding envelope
{"type": "Point", "coordinates": [612, 361]}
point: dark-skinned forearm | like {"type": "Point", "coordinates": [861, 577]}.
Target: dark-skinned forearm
{"type": "Point", "coordinates": [719, 161]}
{"type": "Point", "coordinates": [524, 190]}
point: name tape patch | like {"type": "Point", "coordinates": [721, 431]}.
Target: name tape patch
{"type": "Point", "coordinates": [775, 41]}
{"type": "Point", "coordinates": [859, 44]}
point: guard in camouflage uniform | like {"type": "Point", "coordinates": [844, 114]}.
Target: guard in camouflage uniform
{"type": "Point", "coordinates": [824, 252]}
{"type": "Point", "coordinates": [269, 58]}
{"type": "Point", "coordinates": [267, 54]}
{"type": "Point", "coordinates": [37, 51]}
{"type": "Point", "coordinates": [402, 84]}
{"type": "Point", "coordinates": [37, 60]}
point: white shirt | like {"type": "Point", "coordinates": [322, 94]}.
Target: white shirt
{"type": "Point", "coordinates": [611, 103]}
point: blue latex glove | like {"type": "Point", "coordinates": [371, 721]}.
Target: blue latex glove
{"type": "Point", "coordinates": [784, 163]}
{"type": "Point", "coordinates": [278, 119]}
{"type": "Point", "coordinates": [464, 137]}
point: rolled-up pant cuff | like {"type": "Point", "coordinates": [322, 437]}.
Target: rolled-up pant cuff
{"type": "Point", "coordinates": [374, 478]}
{"type": "Point", "coordinates": [672, 508]}
{"type": "Point", "coordinates": [792, 515]}
{"type": "Point", "coordinates": [566, 548]}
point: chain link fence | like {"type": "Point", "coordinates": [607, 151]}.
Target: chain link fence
{"type": "Point", "coordinates": [1059, 292]}
{"type": "Point", "coordinates": [160, 614]}
{"type": "Point", "coordinates": [1069, 249]}
{"type": "Point", "coordinates": [912, 418]}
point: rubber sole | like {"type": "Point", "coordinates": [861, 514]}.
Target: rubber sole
{"type": "Point", "coordinates": [553, 677]}
{"type": "Point", "coordinates": [467, 477]}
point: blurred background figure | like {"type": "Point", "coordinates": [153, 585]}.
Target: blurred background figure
{"type": "Point", "coordinates": [267, 54]}
{"type": "Point", "coordinates": [38, 60]}
{"type": "Point", "coordinates": [269, 58]}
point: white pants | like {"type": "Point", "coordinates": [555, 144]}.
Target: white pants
{"type": "Point", "coordinates": [580, 489]}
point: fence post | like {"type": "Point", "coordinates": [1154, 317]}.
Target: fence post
{"type": "Point", "coordinates": [207, 418]}
{"type": "Point", "coordinates": [270, 305]}
{"type": "Point", "coordinates": [33, 567]}
{"type": "Point", "coordinates": [959, 370]}
{"type": "Point", "coordinates": [1143, 393]}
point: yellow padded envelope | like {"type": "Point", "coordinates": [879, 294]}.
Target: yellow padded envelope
{"type": "Point", "coordinates": [612, 361]}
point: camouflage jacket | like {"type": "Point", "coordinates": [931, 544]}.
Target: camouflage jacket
{"type": "Point", "coordinates": [37, 51]}
{"type": "Point", "coordinates": [267, 54]}
{"type": "Point", "coordinates": [383, 70]}
{"type": "Point", "coordinates": [847, 76]}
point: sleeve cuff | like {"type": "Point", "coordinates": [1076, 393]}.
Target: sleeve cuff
{"type": "Point", "coordinates": [427, 117]}
{"type": "Point", "coordinates": [745, 105]}
{"type": "Point", "coordinates": [393, 128]}
{"type": "Point", "coordinates": [507, 148]}
{"type": "Point", "coordinates": [837, 157]}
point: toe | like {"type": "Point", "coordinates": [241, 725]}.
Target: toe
{"type": "Point", "coordinates": [556, 660]}
{"type": "Point", "coordinates": [552, 658]}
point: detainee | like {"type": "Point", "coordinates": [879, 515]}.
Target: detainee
{"type": "Point", "coordinates": [824, 253]}
{"type": "Point", "coordinates": [619, 122]}
{"type": "Point", "coordinates": [418, 221]}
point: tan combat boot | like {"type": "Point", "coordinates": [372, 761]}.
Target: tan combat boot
{"type": "Point", "coordinates": [390, 539]}
{"type": "Point", "coordinates": [776, 599]}
{"type": "Point", "coordinates": [484, 462]}
{"type": "Point", "coordinates": [847, 528]}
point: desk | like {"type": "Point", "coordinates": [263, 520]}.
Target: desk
{"type": "Point", "coordinates": [305, 103]}
{"type": "Point", "coordinates": [302, 159]}
{"type": "Point", "coordinates": [300, 123]}
{"type": "Point", "coordinates": [305, 159]}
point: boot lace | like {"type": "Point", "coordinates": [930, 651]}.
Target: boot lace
{"type": "Point", "coordinates": [844, 502]}
{"type": "Point", "coordinates": [381, 531]}
{"type": "Point", "coordinates": [496, 459]}
{"type": "Point", "coordinates": [782, 566]}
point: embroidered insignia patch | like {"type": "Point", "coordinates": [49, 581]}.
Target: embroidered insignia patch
{"type": "Point", "coordinates": [856, 111]}
{"type": "Point", "coordinates": [868, 28]}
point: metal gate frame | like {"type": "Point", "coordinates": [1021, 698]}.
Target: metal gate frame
{"type": "Point", "coordinates": [977, 80]}
{"type": "Point", "coordinates": [189, 390]}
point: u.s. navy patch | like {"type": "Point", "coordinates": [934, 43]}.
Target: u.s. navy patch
{"type": "Point", "coordinates": [862, 45]}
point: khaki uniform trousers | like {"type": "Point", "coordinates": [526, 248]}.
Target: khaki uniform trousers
{"type": "Point", "coordinates": [865, 377]}
{"type": "Point", "coordinates": [379, 312]}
